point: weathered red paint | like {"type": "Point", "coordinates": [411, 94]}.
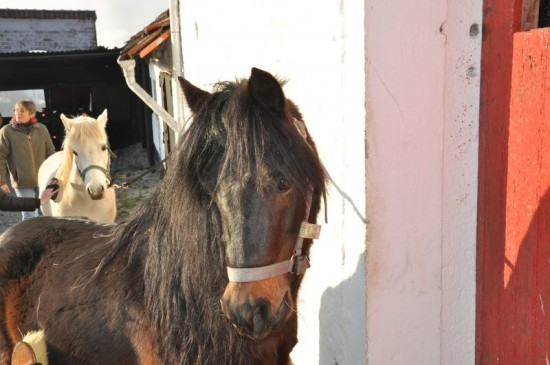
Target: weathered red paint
{"type": "Point", "coordinates": [513, 297]}
{"type": "Point", "coordinates": [500, 21]}
{"type": "Point", "coordinates": [527, 248]}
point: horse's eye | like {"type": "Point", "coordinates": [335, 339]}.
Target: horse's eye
{"type": "Point", "coordinates": [104, 147]}
{"type": "Point", "coordinates": [75, 153]}
{"type": "Point", "coordinates": [283, 185]}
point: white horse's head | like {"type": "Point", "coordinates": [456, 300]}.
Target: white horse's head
{"type": "Point", "coordinates": [87, 146]}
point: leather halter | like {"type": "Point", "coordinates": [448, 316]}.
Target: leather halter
{"type": "Point", "coordinates": [106, 171]}
{"type": "Point", "coordinates": [93, 167]}
{"type": "Point", "coordinates": [298, 263]}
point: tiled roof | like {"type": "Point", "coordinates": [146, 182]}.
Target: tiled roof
{"type": "Point", "coordinates": [47, 14]}
{"type": "Point", "coordinates": [149, 38]}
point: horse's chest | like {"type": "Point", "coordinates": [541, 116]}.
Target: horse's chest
{"type": "Point", "coordinates": [78, 204]}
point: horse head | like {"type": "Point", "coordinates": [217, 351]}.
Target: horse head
{"type": "Point", "coordinates": [87, 146]}
{"type": "Point", "coordinates": [265, 181]}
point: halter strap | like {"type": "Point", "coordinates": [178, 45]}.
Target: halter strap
{"type": "Point", "coordinates": [298, 263]}
{"type": "Point", "coordinates": [106, 171]}
{"type": "Point", "coordinates": [92, 167]}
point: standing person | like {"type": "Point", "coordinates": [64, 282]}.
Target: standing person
{"type": "Point", "coordinates": [24, 145]}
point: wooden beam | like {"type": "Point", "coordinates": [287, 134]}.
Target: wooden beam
{"type": "Point", "coordinates": [154, 44]}
{"type": "Point", "coordinates": [530, 14]}
{"type": "Point", "coordinates": [500, 21]}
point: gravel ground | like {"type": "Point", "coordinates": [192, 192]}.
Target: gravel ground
{"type": "Point", "coordinates": [7, 219]}
{"type": "Point", "coordinates": [128, 165]}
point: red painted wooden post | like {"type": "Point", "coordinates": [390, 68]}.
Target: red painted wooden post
{"type": "Point", "coordinates": [528, 201]}
{"type": "Point", "coordinates": [514, 285]}
{"type": "Point", "coordinates": [500, 20]}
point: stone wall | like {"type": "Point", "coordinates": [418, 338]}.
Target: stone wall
{"type": "Point", "coordinates": [46, 30]}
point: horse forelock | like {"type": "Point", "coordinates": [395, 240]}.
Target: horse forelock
{"type": "Point", "coordinates": [258, 140]}
{"type": "Point", "coordinates": [83, 129]}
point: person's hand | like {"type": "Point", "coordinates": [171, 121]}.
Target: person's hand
{"type": "Point", "coordinates": [50, 192]}
{"type": "Point", "coordinates": [6, 188]}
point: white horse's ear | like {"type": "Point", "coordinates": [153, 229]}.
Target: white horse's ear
{"type": "Point", "coordinates": [66, 122]}
{"type": "Point", "coordinates": [102, 119]}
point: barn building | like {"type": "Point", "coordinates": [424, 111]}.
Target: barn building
{"type": "Point", "coordinates": [432, 120]}
{"type": "Point", "coordinates": [56, 51]}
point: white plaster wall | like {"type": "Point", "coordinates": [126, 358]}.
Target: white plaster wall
{"type": "Point", "coordinates": [422, 122]}
{"type": "Point", "coordinates": [407, 74]}
{"type": "Point", "coordinates": [462, 31]}
{"type": "Point", "coordinates": [319, 47]}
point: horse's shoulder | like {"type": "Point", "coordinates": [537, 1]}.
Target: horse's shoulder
{"type": "Point", "coordinates": [18, 253]}
{"type": "Point", "coordinates": [26, 242]}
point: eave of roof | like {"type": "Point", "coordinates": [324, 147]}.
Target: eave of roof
{"type": "Point", "coordinates": [150, 38]}
{"type": "Point", "coordinates": [24, 70]}
{"type": "Point", "coordinates": [56, 54]}
{"type": "Point", "coordinates": [47, 14]}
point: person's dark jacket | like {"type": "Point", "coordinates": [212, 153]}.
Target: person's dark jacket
{"type": "Point", "coordinates": [11, 203]}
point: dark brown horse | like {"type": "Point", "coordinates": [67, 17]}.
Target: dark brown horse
{"type": "Point", "coordinates": [204, 271]}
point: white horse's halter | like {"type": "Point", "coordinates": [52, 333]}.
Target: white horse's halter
{"type": "Point", "coordinates": [298, 263]}
{"type": "Point", "coordinates": [105, 170]}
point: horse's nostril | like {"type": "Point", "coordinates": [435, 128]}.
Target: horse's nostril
{"type": "Point", "coordinates": [251, 318]}
{"type": "Point", "coordinates": [261, 318]}
{"type": "Point", "coordinates": [96, 194]}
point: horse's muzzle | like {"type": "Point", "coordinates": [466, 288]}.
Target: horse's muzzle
{"type": "Point", "coordinates": [96, 193]}
{"type": "Point", "coordinates": [257, 310]}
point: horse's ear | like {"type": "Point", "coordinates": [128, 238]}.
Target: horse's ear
{"type": "Point", "coordinates": [66, 122]}
{"type": "Point", "coordinates": [266, 90]}
{"type": "Point", "coordinates": [102, 119]}
{"type": "Point", "coordinates": [195, 97]}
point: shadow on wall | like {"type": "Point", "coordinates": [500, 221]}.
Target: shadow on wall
{"type": "Point", "coordinates": [342, 320]}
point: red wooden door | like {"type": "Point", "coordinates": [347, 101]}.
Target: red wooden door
{"type": "Point", "coordinates": [513, 296]}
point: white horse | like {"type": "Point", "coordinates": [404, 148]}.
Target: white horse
{"type": "Point", "coordinates": [82, 168]}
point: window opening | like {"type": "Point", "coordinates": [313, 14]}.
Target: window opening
{"type": "Point", "coordinates": [544, 14]}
